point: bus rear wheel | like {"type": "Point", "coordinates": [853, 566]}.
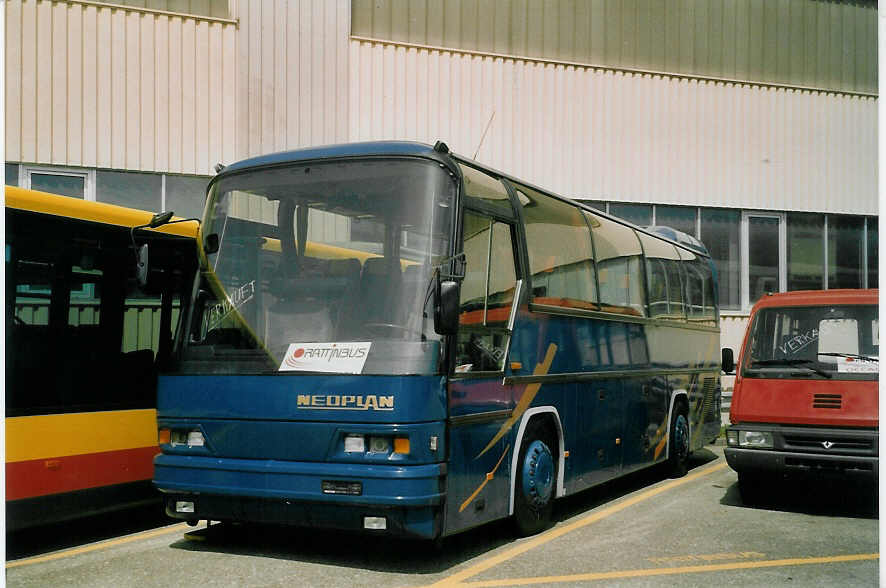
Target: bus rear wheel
{"type": "Point", "coordinates": [678, 457]}
{"type": "Point", "coordinates": [536, 476]}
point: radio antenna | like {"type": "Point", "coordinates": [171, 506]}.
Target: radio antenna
{"type": "Point", "coordinates": [486, 130]}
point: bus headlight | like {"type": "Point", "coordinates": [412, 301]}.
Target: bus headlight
{"type": "Point", "coordinates": [755, 439]}
{"type": "Point", "coordinates": [379, 445]}
{"type": "Point", "coordinates": [355, 444]}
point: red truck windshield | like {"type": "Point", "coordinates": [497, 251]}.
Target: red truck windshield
{"type": "Point", "coordinates": [833, 342]}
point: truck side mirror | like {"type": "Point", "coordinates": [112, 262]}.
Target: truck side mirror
{"type": "Point", "coordinates": [727, 360]}
{"type": "Point", "coordinates": [446, 307]}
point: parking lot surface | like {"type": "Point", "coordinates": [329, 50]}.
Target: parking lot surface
{"type": "Point", "coordinates": [644, 530]}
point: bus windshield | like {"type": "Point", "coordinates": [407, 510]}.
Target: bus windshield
{"type": "Point", "coordinates": [323, 267]}
{"type": "Point", "coordinates": [839, 342]}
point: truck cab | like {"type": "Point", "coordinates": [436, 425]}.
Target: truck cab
{"type": "Point", "coordinates": [805, 402]}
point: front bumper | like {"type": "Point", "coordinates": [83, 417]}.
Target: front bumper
{"type": "Point", "coordinates": [809, 451]}
{"type": "Point", "coordinates": [410, 498]}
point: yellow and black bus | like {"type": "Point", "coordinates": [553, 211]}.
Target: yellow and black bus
{"type": "Point", "coordinates": [84, 340]}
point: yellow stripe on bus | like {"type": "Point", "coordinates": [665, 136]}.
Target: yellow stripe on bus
{"type": "Point", "coordinates": [62, 435]}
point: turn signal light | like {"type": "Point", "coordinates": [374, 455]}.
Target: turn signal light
{"type": "Point", "coordinates": [163, 436]}
{"type": "Point", "coordinates": [401, 445]}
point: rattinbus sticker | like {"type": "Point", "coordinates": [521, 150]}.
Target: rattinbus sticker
{"type": "Point", "coordinates": [338, 358]}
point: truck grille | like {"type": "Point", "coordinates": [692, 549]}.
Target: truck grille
{"type": "Point", "coordinates": [853, 445]}
{"type": "Point", "coordinates": [832, 401]}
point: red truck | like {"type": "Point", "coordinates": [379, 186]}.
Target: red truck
{"type": "Point", "coordinates": [805, 402]}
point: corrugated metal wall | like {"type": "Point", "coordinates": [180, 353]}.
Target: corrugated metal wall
{"type": "Point", "coordinates": [96, 86]}
{"type": "Point", "coordinates": [292, 74]}
{"type": "Point", "coordinates": [825, 44]}
{"type": "Point", "coordinates": [103, 87]}
{"type": "Point", "coordinates": [604, 134]}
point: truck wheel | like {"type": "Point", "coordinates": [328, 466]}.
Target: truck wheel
{"type": "Point", "coordinates": [536, 476]}
{"type": "Point", "coordinates": [678, 452]}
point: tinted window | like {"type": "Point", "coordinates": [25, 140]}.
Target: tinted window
{"type": "Point", "coordinates": [487, 189]}
{"type": "Point", "coordinates": [561, 259]}
{"type": "Point", "coordinates": [639, 214]}
{"type": "Point", "coordinates": [663, 273]}
{"type": "Point", "coordinates": [185, 195]}
{"type": "Point", "coordinates": [618, 266]}
{"type": "Point", "coordinates": [73, 186]}
{"type": "Point", "coordinates": [699, 287]}
{"type": "Point", "coordinates": [134, 190]}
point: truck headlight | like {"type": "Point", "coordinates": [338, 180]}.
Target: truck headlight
{"type": "Point", "coordinates": [755, 439]}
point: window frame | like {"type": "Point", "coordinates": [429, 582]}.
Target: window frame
{"type": "Point", "coordinates": [88, 174]}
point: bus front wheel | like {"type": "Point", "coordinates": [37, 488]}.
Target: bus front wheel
{"type": "Point", "coordinates": [536, 476]}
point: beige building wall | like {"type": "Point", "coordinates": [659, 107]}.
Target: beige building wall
{"type": "Point", "coordinates": [140, 89]}
{"type": "Point", "coordinates": [614, 135]}
{"type": "Point", "coordinates": [95, 86]}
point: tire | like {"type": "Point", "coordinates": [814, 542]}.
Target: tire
{"type": "Point", "coordinates": [678, 449]}
{"type": "Point", "coordinates": [535, 485]}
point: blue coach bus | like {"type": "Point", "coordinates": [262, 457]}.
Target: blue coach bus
{"type": "Point", "coordinates": [389, 337]}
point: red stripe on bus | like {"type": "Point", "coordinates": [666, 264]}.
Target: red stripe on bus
{"type": "Point", "coordinates": [39, 477]}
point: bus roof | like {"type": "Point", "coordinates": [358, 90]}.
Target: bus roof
{"type": "Point", "coordinates": [416, 149]}
{"type": "Point", "coordinates": [364, 149]}
{"type": "Point", "coordinates": [76, 208]}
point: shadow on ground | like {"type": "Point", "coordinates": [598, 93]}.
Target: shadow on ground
{"type": "Point", "coordinates": [385, 554]}
{"type": "Point", "coordinates": [45, 539]}
{"type": "Point", "coordinates": [830, 498]}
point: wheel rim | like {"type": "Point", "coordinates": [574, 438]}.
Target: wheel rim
{"type": "Point", "coordinates": [538, 475]}
{"type": "Point", "coordinates": [681, 437]}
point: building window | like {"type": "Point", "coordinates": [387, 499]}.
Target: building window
{"type": "Point", "coordinates": [185, 195]}
{"type": "Point", "coordinates": [762, 255]}
{"type": "Point", "coordinates": [130, 189]}
{"type": "Point", "coordinates": [639, 214]}
{"type": "Point", "coordinates": [11, 174]}
{"type": "Point", "coordinates": [720, 234]}
{"type": "Point", "coordinates": [596, 204]}
{"type": "Point", "coordinates": [77, 183]}
{"type": "Point", "coordinates": [845, 251]}
{"type": "Point", "coordinates": [805, 233]}
{"type": "Point", "coordinates": [681, 218]}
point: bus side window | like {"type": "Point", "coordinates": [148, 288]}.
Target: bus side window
{"type": "Point", "coordinates": [665, 275]}
{"type": "Point", "coordinates": [561, 257]}
{"type": "Point", "coordinates": [487, 294]}
{"type": "Point", "coordinates": [619, 266]}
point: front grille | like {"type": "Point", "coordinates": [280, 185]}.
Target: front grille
{"type": "Point", "coordinates": [831, 401]}
{"type": "Point", "coordinates": [828, 465]}
{"type": "Point", "coordinates": [834, 444]}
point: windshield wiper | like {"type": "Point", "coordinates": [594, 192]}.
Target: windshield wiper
{"type": "Point", "coordinates": [806, 363]}
{"type": "Point", "coordinates": [852, 355]}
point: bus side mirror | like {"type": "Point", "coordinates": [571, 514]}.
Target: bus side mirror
{"type": "Point", "coordinates": [210, 246]}
{"type": "Point", "coordinates": [727, 360]}
{"type": "Point", "coordinates": [446, 307]}
{"type": "Point", "coordinates": [141, 268]}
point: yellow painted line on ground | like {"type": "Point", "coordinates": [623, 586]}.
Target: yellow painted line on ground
{"type": "Point", "coordinates": [645, 573]}
{"type": "Point", "coordinates": [557, 532]}
{"type": "Point", "coordinates": [97, 546]}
